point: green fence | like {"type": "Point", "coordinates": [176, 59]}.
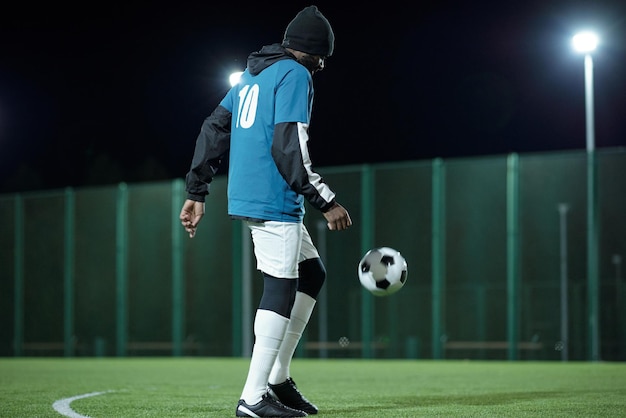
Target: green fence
{"type": "Point", "coordinates": [497, 249]}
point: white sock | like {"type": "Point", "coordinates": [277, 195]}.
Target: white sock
{"type": "Point", "coordinates": [300, 315]}
{"type": "Point", "coordinates": [269, 331]}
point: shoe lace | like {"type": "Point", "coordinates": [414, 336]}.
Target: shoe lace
{"type": "Point", "coordinates": [295, 388]}
{"type": "Point", "coordinates": [270, 400]}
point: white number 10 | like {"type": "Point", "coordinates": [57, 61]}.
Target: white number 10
{"type": "Point", "coordinates": [248, 101]}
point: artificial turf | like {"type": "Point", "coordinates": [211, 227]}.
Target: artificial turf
{"type": "Point", "coordinates": [210, 387]}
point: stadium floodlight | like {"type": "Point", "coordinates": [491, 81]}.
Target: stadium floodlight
{"type": "Point", "coordinates": [235, 77]}
{"type": "Point", "coordinates": [586, 42]}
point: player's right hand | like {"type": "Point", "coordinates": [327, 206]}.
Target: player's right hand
{"type": "Point", "coordinates": [338, 218]}
{"type": "Point", "coordinates": [190, 216]}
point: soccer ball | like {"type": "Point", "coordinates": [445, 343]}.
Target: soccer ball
{"type": "Point", "coordinates": [383, 271]}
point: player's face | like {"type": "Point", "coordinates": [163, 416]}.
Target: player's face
{"type": "Point", "coordinates": [313, 63]}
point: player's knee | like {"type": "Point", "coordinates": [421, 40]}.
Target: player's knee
{"type": "Point", "coordinates": [312, 274]}
{"type": "Point", "coordinates": [279, 295]}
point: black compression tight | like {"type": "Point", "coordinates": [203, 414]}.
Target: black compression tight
{"type": "Point", "coordinates": [312, 275]}
{"type": "Point", "coordinates": [279, 294]}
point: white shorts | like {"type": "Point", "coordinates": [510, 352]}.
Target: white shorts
{"type": "Point", "coordinates": [280, 246]}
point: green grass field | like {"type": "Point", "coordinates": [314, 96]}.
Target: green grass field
{"type": "Point", "coordinates": [210, 387]}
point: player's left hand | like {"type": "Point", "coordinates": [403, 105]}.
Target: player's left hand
{"type": "Point", "coordinates": [338, 218]}
{"type": "Point", "coordinates": [190, 216]}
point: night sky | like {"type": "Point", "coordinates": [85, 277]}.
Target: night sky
{"type": "Point", "coordinates": [102, 93]}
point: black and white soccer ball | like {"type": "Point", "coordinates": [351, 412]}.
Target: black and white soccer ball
{"type": "Point", "coordinates": [383, 271]}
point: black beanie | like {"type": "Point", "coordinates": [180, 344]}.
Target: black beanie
{"type": "Point", "coordinates": [310, 32]}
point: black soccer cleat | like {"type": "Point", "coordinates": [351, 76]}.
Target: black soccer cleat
{"type": "Point", "coordinates": [266, 407]}
{"type": "Point", "coordinates": [288, 394]}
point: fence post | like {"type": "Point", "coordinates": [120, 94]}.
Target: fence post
{"type": "Point", "coordinates": [512, 219]}
{"type": "Point", "coordinates": [18, 310]}
{"type": "Point", "coordinates": [68, 282]}
{"type": "Point", "coordinates": [593, 279]}
{"type": "Point", "coordinates": [243, 311]}
{"type": "Point", "coordinates": [438, 256]}
{"type": "Point", "coordinates": [367, 241]}
{"type": "Point", "coordinates": [121, 271]}
{"type": "Point", "coordinates": [563, 208]}
{"type": "Point", "coordinates": [322, 299]}
{"type": "Point", "coordinates": [178, 282]}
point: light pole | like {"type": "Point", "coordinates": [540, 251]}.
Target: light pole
{"type": "Point", "coordinates": [586, 43]}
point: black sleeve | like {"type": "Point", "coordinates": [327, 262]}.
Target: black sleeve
{"type": "Point", "coordinates": [290, 154]}
{"type": "Point", "coordinates": [212, 144]}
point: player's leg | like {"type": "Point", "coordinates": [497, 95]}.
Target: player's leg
{"type": "Point", "coordinates": [272, 316]}
{"type": "Point", "coordinates": [312, 275]}
{"type": "Point", "coordinates": [270, 324]}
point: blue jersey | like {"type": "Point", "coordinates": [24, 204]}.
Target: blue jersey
{"type": "Point", "coordinates": [270, 172]}
{"type": "Point", "coordinates": [282, 92]}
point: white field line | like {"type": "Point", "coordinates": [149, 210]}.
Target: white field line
{"type": "Point", "coordinates": [62, 406]}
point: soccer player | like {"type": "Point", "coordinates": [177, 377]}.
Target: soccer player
{"type": "Point", "coordinates": [262, 123]}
